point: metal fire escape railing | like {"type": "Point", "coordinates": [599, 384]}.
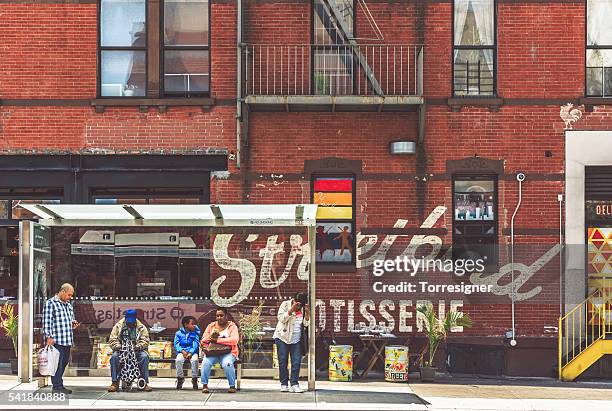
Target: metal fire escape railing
{"type": "Point", "coordinates": [337, 16]}
{"type": "Point", "coordinates": [341, 67]}
{"type": "Point", "coordinates": [278, 70]}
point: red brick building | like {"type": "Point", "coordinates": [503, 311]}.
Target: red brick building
{"type": "Point", "coordinates": [157, 101]}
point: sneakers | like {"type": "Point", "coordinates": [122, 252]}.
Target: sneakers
{"type": "Point", "coordinates": [146, 388]}
{"type": "Point", "coordinates": [62, 390]}
{"type": "Point", "coordinates": [194, 383]}
{"type": "Point", "coordinates": [179, 382]}
{"type": "Point", "coordinates": [114, 387]}
{"type": "Point", "coordinates": [297, 389]}
{"type": "Point", "coordinates": [232, 390]}
{"type": "Point", "coordinates": [205, 389]}
{"type": "Point", "coordinates": [294, 388]}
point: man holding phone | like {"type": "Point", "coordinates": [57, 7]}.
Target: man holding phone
{"type": "Point", "coordinates": [58, 326]}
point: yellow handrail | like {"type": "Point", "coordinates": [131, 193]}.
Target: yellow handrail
{"type": "Point", "coordinates": [581, 317]}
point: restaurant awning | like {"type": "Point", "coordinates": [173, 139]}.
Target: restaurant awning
{"type": "Point", "coordinates": [221, 215]}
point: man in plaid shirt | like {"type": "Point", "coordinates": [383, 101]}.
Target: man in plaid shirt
{"type": "Point", "coordinates": [58, 323]}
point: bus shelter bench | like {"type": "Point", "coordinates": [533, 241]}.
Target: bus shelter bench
{"type": "Point", "coordinates": [186, 365]}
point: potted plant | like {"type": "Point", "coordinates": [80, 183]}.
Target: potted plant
{"type": "Point", "coordinates": [437, 330]}
{"type": "Point", "coordinates": [10, 324]}
{"type": "Point", "coordinates": [251, 330]}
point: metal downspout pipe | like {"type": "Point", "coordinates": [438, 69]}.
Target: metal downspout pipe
{"type": "Point", "coordinates": [238, 83]}
{"type": "Point", "coordinates": [560, 199]}
{"type": "Point", "coordinates": [520, 177]}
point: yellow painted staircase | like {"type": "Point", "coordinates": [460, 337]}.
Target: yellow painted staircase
{"type": "Point", "coordinates": [585, 335]}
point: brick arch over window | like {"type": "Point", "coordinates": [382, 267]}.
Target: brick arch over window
{"type": "Point", "coordinates": [333, 165]}
{"type": "Point", "coordinates": [475, 165]}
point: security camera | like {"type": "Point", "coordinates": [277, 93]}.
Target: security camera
{"type": "Point", "coordinates": [520, 177]}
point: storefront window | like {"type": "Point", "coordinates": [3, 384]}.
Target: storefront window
{"type": "Point", "coordinates": [475, 219]}
{"type": "Point", "coordinates": [148, 196]}
{"type": "Point", "coordinates": [474, 199]}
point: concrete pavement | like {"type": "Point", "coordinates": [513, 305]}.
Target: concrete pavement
{"type": "Point", "coordinates": [449, 393]}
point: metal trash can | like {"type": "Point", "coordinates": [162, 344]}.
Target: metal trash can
{"type": "Point", "coordinates": [341, 363]}
{"type": "Point", "coordinates": [396, 363]}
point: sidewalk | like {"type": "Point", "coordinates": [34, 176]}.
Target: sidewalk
{"type": "Point", "coordinates": [450, 393]}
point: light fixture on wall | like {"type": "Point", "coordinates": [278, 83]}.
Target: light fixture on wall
{"type": "Point", "coordinates": [402, 147]}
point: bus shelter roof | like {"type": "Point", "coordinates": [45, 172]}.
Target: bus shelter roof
{"type": "Point", "coordinates": [204, 215]}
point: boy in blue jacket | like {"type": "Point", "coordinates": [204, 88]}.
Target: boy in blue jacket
{"type": "Point", "coordinates": [186, 344]}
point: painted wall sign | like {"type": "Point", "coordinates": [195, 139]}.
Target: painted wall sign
{"type": "Point", "coordinates": [369, 249]}
{"type": "Point", "coordinates": [598, 210]}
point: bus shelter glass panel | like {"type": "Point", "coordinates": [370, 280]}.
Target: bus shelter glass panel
{"type": "Point", "coordinates": [253, 272]}
{"type": "Point", "coordinates": [168, 273]}
{"type": "Point", "coordinates": [41, 266]}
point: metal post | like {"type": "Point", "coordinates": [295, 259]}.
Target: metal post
{"type": "Point", "coordinates": [520, 177]}
{"type": "Point", "coordinates": [312, 335]}
{"type": "Point", "coordinates": [26, 323]}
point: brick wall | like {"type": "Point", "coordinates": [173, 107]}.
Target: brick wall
{"type": "Point", "coordinates": [48, 51]}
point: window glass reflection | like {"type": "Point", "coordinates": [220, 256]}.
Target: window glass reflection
{"type": "Point", "coordinates": [123, 73]}
{"type": "Point", "coordinates": [185, 23]}
{"type": "Point", "coordinates": [122, 23]}
{"type": "Point", "coordinates": [474, 200]}
{"type": "Point", "coordinates": [186, 71]}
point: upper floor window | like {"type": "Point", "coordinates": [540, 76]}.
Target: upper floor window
{"type": "Point", "coordinates": [123, 48]}
{"type": "Point", "coordinates": [474, 48]}
{"type": "Point", "coordinates": [332, 52]}
{"type": "Point", "coordinates": [134, 63]}
{"type": "Point", "coordinates": [186, 57]}
{"type": "Point", "coordinates": [599, 48]}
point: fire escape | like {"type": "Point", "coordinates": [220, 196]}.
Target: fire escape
{"type": "Point", "coordinates": [336, 72]}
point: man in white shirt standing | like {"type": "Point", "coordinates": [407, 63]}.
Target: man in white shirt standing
{"type": "Point", "coordinates": [292, 316]}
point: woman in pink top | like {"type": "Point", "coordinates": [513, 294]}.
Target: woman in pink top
{"type": "Point", "coordinates": [226, 333]}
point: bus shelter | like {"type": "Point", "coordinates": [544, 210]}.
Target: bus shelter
{"type": "Point", "coordinates": [166, 261]}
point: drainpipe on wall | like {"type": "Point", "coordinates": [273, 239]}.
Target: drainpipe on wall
{"type": "Point", "coordinates": [238, 83]}
{"type": "Point", "coordinates": [520, 177]}
{"type": "Point", "coordinates": [560, 200]}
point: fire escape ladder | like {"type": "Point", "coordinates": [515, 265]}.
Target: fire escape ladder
{"type": "Point", "coordinates": [338, 18]}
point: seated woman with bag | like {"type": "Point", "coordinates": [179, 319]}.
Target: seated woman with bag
{"type": "Point", "coordinates": [220, 345]}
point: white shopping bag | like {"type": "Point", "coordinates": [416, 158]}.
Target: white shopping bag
{"type": "Point", "coordinates": [48, 360]}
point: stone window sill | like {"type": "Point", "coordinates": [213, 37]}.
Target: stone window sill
{"type": "Point", "coordinates": [143, 104]}
{"type": "Point", "coordinates": [589, 102]}
{"type": "Point", "coordinates": [336, 268]}
{"type": "Point", "coordinates": [493, 103]}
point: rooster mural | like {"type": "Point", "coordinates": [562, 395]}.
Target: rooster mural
{"type": "Point", "coordinates": [569, 115]}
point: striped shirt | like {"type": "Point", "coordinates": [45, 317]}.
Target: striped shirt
{"type": "Point", "coordinates": [57, 321]}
